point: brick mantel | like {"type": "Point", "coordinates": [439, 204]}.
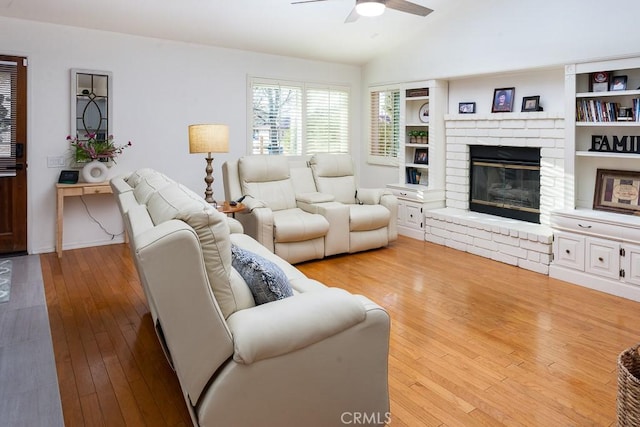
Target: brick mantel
{"type": "Point", "coordinates": [523, 244]}
{"type": "Point", "coordinates": [536, 129]}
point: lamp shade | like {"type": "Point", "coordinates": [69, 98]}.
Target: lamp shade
{"type": "Point", "coordinates": [208, 138]}
{"type": "Point", "coordinates": [370, 7]}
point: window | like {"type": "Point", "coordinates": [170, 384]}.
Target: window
{"type": "Point", "coordinates": [295, 118]}
{"type": "Point", "coordinates": [385, 126]}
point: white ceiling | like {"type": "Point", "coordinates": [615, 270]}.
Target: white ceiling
{"type": "Point", "coordinates": [313, 31]}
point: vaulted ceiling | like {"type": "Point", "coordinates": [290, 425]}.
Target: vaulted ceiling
{"type": "Point", "coordinates": [313, 30]}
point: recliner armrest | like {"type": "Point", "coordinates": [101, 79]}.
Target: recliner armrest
{"type": "Point", "coordinates": [371, 196]}
{"type": "Point", "coordinates": [252, 203]}
{"type": "Point", "coordinates": [315, 197]}
{"type": "Point", "coordinates": [287, 325]}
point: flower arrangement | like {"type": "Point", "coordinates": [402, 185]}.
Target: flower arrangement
{"type": "Point", "coordinates": [95, 149]}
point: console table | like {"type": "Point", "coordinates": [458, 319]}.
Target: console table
{"type": "Point", "coordinates": [68, 190]}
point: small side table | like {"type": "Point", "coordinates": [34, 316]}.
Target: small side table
{"type": "Point", "coordinates": [226, 208]}
{"type": "Point", "coordinates": [68, 190]}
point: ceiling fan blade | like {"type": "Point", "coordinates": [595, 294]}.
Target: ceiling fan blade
{"type": "Point", "coordinates": [407, 6]}
{"type": "Point", "coordinates": [306, 1]}
{"type": "Point", "coordinates": [352, 17]}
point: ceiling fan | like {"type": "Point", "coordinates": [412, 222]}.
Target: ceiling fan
{"type": "Point", "coordinates": [377, 7]}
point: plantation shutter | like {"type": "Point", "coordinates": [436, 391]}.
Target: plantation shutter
{"type": "Point", "coordinates": [385, 125]}
{"type": "Point", "coordinates": [8, 108]}
{"type": "Point", "coordinates": [327, 124]}
{"type": "Point", "coordinates": [277, 118]}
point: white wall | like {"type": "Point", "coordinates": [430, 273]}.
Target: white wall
{"type": "Point", "coordinates": [482, 43]}
{"type": "Point", "coordinates": [159, 88]}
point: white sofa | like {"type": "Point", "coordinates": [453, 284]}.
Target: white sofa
{"type": "Point", "coordinates": [315, 358]}
{"type": "Point", "coordinates": [284, 201]}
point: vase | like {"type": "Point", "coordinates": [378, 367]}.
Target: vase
{"type": "Point", "coordinates": [94, 171]}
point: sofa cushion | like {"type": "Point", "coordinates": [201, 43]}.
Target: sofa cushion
{"type": "Point", "coordinates": [296, 225]}
{"type": "Point", "coordinates": [334, 174]}
{"type": "Point", "coordinates": [266, 280]}
{"type": "Point", "coordinates": [149, 184]}
{"type": "Point", "coordinates": [267, 178]}
{"type": "Point", "coordinates": [368, 217]}
{"type": "Point", "coordinates": [175, 201]}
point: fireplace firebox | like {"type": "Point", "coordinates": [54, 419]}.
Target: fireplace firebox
{"type": "Point", "coordinates": [505, 181]}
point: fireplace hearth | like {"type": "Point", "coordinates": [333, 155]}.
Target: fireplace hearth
{"type": "Point", "coordinates": [505, 181]}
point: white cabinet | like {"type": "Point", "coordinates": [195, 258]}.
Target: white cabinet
{"type": "Point", "coordinates": [411, 205]}
{"type": "Point", "coordinates": [599, 250]}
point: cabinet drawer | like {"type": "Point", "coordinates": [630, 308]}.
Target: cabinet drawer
{"type": "Point", "coordinates": [98, 189]}
{"type": "Point", "coordinates": [601, 224]}
{"type": "Point", "coordinates": [568, 250]}
{"type": "Point", "coordinates": [603, 257]}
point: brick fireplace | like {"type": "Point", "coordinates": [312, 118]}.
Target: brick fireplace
{"type": "Point", "coordinates": [511, 241]}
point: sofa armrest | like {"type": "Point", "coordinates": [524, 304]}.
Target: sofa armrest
{"type": "Point", "coordinates": [258, 223]}
{"type": "Point", "coordinates": [315, 197]}
{"type": "Point", "coordinates": [235, 226]}
{"type": "Point", "coordinates": [371, 196]}
{"type": "Point", "coordinates": [293, 323]}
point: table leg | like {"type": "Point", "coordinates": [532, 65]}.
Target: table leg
{"type": "Point", "coordinates": [59, 221]}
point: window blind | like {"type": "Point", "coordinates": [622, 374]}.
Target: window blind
{"type": "Point", "coordinates": [8, 80]}
{"type": "Point", "coordinates": [327, 114]}
{"type": "Point", "coordinates": [296, 118]}
{"type": "Point", "coordinates": [385, 123]}
{"type": "Point", "coordinates": [277, 119]}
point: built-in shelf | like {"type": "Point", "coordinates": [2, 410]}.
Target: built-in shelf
{"type": "Point", "coordinates": [605, 154]}
{"type": "Point", "coordinates": [607, 94]}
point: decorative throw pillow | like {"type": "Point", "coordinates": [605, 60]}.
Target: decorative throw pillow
{"type": "Point", "coordinates": [266, 280]}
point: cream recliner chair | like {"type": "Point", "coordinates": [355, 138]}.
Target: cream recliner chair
{"type": "Point", "coordinates": [273, 216]}
{"type": "Point", "coordinates": [314, 357]}
{"type": "Point", "coordinates": [373, 213]}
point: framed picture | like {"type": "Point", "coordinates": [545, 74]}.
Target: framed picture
{"type": "Point", "coordinates": [617, 191]}
{"type": "Point", "coordinates": [503, 100]}
{"type": "Point", "coordinates": [531, 103]}
{"type": "Point", "coordinates": [466, 107]}
{"type": "Point", "coordinates": [423, 113]}
{"type": "Point", "coordinates": [619, 83]}
{"type": "Point", "coordinates": [421, 156]}
{"type": "Point", "coordinates": [599, 82]}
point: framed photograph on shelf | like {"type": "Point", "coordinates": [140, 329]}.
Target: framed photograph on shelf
{"type": "Point", "coordinates": [421, 156]}
{"type": "Point", "coordinates": [599, 82]}
{"type": "Point", "coordinates": [617, 191]}
{"type": "Point", "coordinates": [466, 107]}
{"type": "Point", "coordinates": [503, 100]}
{"type": "Point", "coordinates": [619, 83]}
{"type": "Point", "coordinates": [423, 113]}
{"type": "Point", "coordinates": [531, 103]}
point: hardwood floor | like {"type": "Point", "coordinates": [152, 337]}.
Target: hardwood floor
{"type": "Point", "coordinates": [473, 341]}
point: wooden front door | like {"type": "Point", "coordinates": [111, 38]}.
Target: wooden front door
{"type": "Point", "coordinates": [13, 154]}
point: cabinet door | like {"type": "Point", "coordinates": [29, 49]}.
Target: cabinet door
{"type": "Point", "coordinates": [414, 216]}
{"type": "Point", "coordinates": [632, 264]}
{"type": "Point", "coordinates": [603, 257]}
{"type": "Point", "coordinates": [568, 250]}
{"type": "Point", "coordinates": [402, 212]}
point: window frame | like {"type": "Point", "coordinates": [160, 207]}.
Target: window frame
{"type": "Point", "coordinates": [304, 86]}
{"type": "Point", "coordinates": [394, 158]}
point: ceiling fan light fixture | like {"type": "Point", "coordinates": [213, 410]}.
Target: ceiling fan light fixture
{"type": "Point", "coordinates": [370, 8]}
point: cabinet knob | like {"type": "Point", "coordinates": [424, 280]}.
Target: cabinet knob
{"type": "Point", "coordinates": [600, 259]}
{"type": "Point", "coordinates": [567, 251]}
{"type": "Point", "coordinates": [584, 226]}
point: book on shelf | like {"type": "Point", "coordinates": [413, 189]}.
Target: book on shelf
{"type": "Point", "coordinates": [413, 176]}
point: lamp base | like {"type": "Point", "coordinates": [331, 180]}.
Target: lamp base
{"type": "Point", "coordinates": [208, 179]}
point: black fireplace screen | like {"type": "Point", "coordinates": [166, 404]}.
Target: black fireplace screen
{"type": "Point", "coordinates": [505, 181]}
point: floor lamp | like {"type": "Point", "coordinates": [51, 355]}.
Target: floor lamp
{"type": "Point", "coordinates": [209, 139]}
